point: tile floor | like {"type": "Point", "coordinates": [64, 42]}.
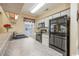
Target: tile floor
{"type": "Point", "coordinates": [29, 47]}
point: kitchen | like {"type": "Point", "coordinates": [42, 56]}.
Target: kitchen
{"type": "Point", "coordinates": [51, 30]}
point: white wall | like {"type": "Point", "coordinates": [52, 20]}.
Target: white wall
{"type": "Point", "coordinates": [73, 30]}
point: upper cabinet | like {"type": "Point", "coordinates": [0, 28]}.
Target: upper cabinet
{"type": "Point", "coordinates": [47, 21]}
{"type": "Point", "coordinates": [56, 15]}
{"type": "Point", "coordinates": [67, 12]}
{"type": "Point", "coordinates": [61, 13]}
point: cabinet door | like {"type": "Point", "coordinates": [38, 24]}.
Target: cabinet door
{"type": "Point", "coordinates": [45, 40]}
{"type": "Point", "coordinates": [67, 12]}
{"type": "Point", "coordinates": [52, 39]}
{"type": "Point", "coordinates": [58, 41]}
{"type": "Point", "coordinates": [56, 15]}
{"type": "Point", "coordinates": [64, 45]}
{"type": "Point", "coordinates": [53, 21]}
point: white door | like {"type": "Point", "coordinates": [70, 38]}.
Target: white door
{"type": "Point", "coordinates": [29, 26]}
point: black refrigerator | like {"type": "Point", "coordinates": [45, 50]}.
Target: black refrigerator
{"type": "Point", "coordinates": [59, 34]}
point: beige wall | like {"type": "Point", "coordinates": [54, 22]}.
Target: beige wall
{"type": "Point", "coordinates": [3, 20]}
{"type": "Point", "coordinates": [0, 22]}
{"type": "Point", "coordinates": [18, 27]}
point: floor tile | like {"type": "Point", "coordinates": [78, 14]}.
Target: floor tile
{"type": "Point", "coordinates": [29, 47]}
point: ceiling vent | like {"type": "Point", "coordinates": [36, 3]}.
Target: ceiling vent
{"type": "Point", "coordinates": [46, 9]}
{"type": "Point", "coordinates": [0, 12]}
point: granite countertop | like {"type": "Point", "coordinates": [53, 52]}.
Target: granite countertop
{"type": "Point", "coordinates": [4, 37]}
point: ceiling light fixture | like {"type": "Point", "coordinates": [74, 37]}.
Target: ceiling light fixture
{"type": "Point", "coordinates": [37, 7]}
{"type": "Point", "coordinates": [16, 16]}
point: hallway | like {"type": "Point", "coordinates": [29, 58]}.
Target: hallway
{"type": "Point", "coordinates": [29, 47]}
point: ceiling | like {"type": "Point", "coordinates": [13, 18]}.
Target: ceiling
{"type": "Point", "coordinates": [25, 8]}
{"type": "Point", "coordinates": [48, 6]}
{"type": "Point", "coordinates": [12, 7]}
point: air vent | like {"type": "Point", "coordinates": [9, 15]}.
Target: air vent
{"type": "Point", "coordinates": [0, 12]}
{"type": "Point", "coordinates": [46, 9]}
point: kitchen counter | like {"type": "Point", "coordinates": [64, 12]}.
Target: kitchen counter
{"type": "Point", "coordinates": [4, 38]}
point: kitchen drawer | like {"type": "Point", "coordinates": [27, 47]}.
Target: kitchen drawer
{"type": "Point", "coordinates": [45, 42]}
{"type": "Point", "coordinates": [46, 36]}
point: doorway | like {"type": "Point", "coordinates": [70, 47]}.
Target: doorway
{"type": "Point", "coordinates": [29, 27]}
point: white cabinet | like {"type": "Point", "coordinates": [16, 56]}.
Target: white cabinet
{"type": "Point", "coordinates": [56, 15]}
{"type": "Point", "coordinates": [67, 12]}
{"type": "Point", "coordinates": [45, 40]}
{"type": "Point", "coordinates": [47, 21]}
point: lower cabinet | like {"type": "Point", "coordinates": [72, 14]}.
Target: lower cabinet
{"type": "Point", "coordinates": [45, 40]}
{"type": "Point", "coordinates": [58, 43]}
